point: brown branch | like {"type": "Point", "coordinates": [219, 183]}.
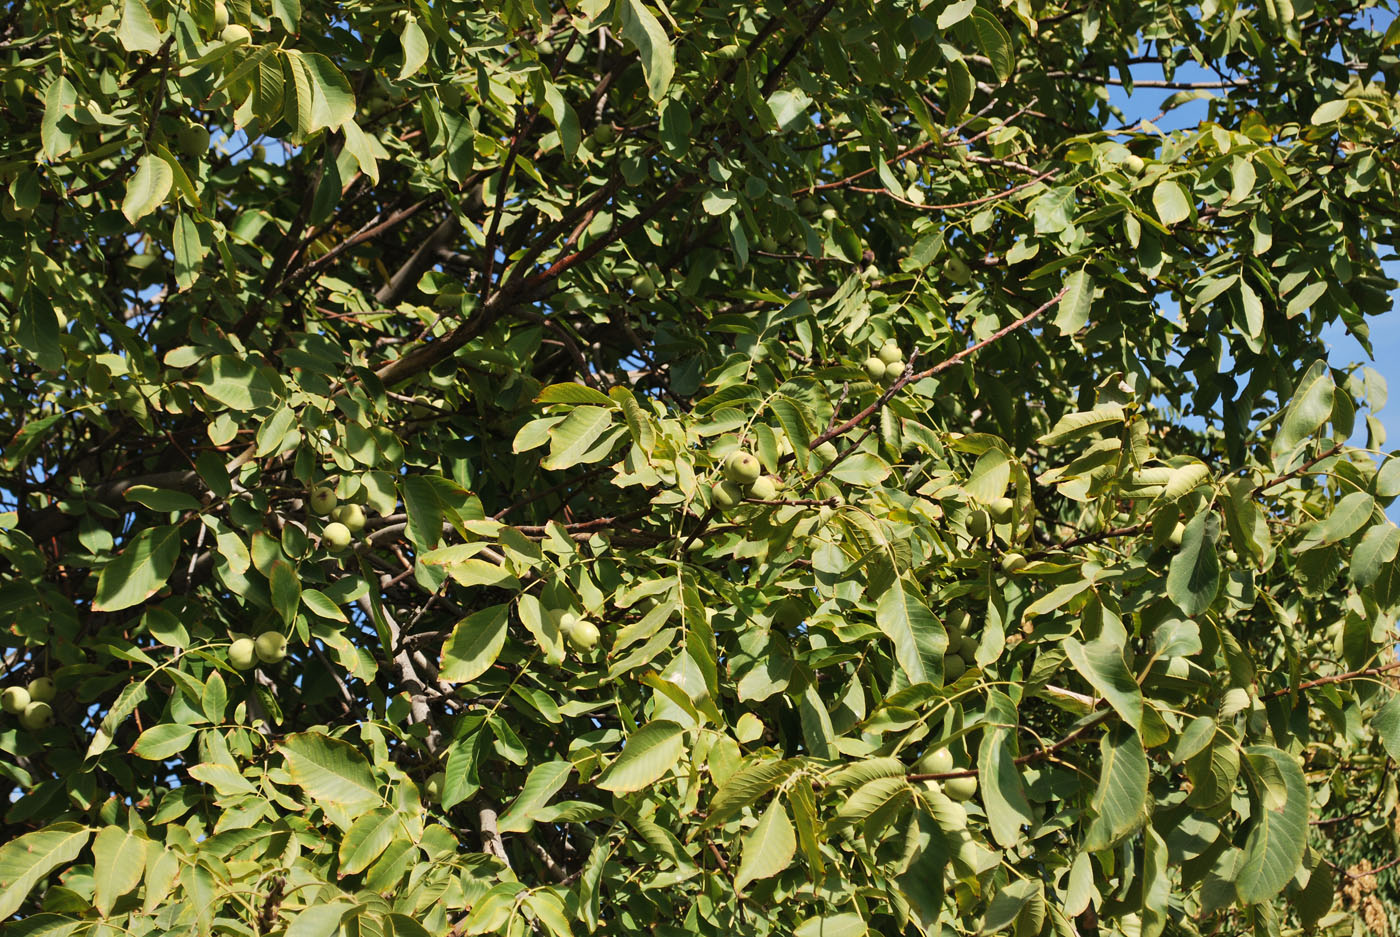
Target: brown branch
{"type": "Point", "coordinates": [1335, 678]}
{"type": "Point", "coordinates": [1297, 471]}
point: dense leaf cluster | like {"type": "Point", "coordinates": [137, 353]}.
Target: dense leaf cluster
{"type": "Point", "coordinates": [811, 468]}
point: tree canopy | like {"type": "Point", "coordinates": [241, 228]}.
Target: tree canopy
{"type": "Point", "coordinates": [804, 468]}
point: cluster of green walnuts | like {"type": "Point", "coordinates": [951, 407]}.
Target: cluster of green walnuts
{"type": "Point", "coordinates": [245, 651]}
{"type": "Point", "coordinates": [886, 365]}
{"type": "Point", "coordinates": [346, 520]}
{"type": "Point", "coordinates": [962, 647]}
{"type": "Point", "coordinates": [743, 478]}
{"type": "Point", "coordinates": [31, 703]}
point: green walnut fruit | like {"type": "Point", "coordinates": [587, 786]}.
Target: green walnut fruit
{"type": "Point", "coordinates": [953, 667]}
{"type": "Point", "coordinates": [243, 654]}
{"type": "Point", "coordinates": [1231, 556]}
{"type": "Point", "coordinates": [978, 523]}
{"type": "Point", "coordinates": [955, 269]}
{"type": "Point", "coordinates": [726, 495]}
{"type": "Point", "coordinates": [604, 134]}
{"type": "Point", "coordinates": [1133, 164]}
{"type": "Point", "coordinates": [220, 16]}
{"type": "Point", "coordinates": [544, 47]}
{"type": "Point", "coordinates": [322, 500]}
{"type": "Point", "coordinates": [41, 689]}
{"type": "Point", "coordinates": [270, 646]}
{"type": "Point", "coordinates": [1001, 509]}
{"type": "Point", "coordinates": [966, 647]}
{"type": "Point", "coordinates": [335, 537]}
{"type": "Point", "coordinates": [234, 34]}
{"type": "Point", "coordinates": [768, 244]}
{"type": "Point", "coordinates": [829, 214]}
{"type": "Point", "coordinates": [960, 788]}
{"type": "Point", "coordinates": [741, 468]}
{"type": "Point", "coordinates": [938, 761]}
{"type": "Point", "coordinates": [567, 621]}
{"type": "Point", "coordinates": [583, 635]}
{"type": "Point", "coordinates": [643, 287]}
{"type": "Point", "coordinates": [764, 488]}
{"type": "Point", "coordinates": [351, 515]}
{"type": "Point", "coordinates": [808, 206]}
{"type": "Point", "coordinates": [874, 368]}
{"type": "Point", "coordinates": [14, 699]}
{"type": "Point", "coordinates": [890, 352]}
{"type": "Point", "coordinates": [193, 140]}
{"type": "Point", "coordinates": [36, 715]}
{"type": "Point", "coordinates": [1013, 563]}
{"type": "Point", "coordinates": [826, 453]}
{"type": "Point", "coordinates": [893, 373]}
{"type": "Point", "coordinates": [432, 787]}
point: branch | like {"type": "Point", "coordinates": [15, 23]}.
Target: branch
{"type": "Point", "coordinates": [1336, 678]}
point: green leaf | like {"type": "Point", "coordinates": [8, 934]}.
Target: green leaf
{"type": "Point", "coordinates": [1193, 580]}
{"type": "Point", "coordinates": [995, 42]}
{"type": "Point", "coordinates": [1386, 722]}
{"type": "Point", "coordinates": [161, 499]}
{"type": "Point", "coordinates": [147, 188]}
{"type": "Point", "coordinates": [572, 441]}
{"type": "Point", "coordinates": [119, 861]}
{"type": "Point", "coordinates": [919, 640]}
{"type": "Point", "coordinates": [1330, 112]}
{"type": "Point", "coordinates": [544, 782]}
{"type": "Point", "coordinates": [161, 741]}
{"type": "Point", "coordinates": [1100, 662]}
{"type": "Point", "coordinates": [1376, 550]}
{"type": "Point", "coordinates": [27, 860]}
{"type": "Point", "coordinates": [1073, 312]}
{"type": "Point", "coordinates": [1003, 791]}
{"type": "Point", "coordinates": [955, 13]}
{"type": "Point", "coordinates": [574, 393]}
{"type": "Point", "coordinates": [849, 924]}
{"type": "Point", "coordinates": [642, 29]}
{"type": "Point", "coordinates": [1120, 802]}
{"type": "Point", "coordinates": [319, 920]}
{"type": "Point", "coordinates": [415, 48]}
{"type": "Point", "coordinates": [745, 787]}
{"type": "Point", "coordinates": [215, 698]}
{"type": "Point", "coordinates": [474, 644]}
{"type": "Point", "coordinates": [289, 12]}
{"type": "Point", "coordinates": [1279, 831]}
{"type": "Point", "coordinates": [322, 605]}
{"type": "Point", "coordinates": [1073, 425]}
{"type": "Point", "coordinates": [1156, 883]}
{"type": "Point", "coordinates": [960, 88]}
{"type": "Point", "coordinates": [367, 838]}
{"type": "Point", "coordinates": [140, 571]}
{"type": "Point", "coordinates": [1170, 200]}
{"type": "Point", "coordinates": [60, 102]}
{"type": "Point", "coordinates": [1348, 516]}
{"type": "Point", "coordinates": [768, 848]}
{"type": "Point", "coordinates": [286, 589]}
{"type": "Point", "coordinates": [332, 101]}
{"type": "Point", "coordinates": [236, 383]}
{"type": "Point", "coordinates": [650, 753]}
{"type": "Point", "coordinates": [1308, 410]}
{"type": "Point", "coordinates": [331, 771]}
{"type": "Point", "coordinates": [138, 31]}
